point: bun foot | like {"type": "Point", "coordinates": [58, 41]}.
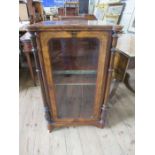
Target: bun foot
{"type": "Point", "coordinates": [50, 128]}
{"type": "Point", "coordinates": [102, 122]}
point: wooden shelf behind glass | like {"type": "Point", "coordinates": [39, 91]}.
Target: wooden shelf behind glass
{"type": "Point", "coordinates": [74, 77]}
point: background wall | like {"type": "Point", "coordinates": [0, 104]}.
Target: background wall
{"type": "Point", "coordinates": [129, 8]}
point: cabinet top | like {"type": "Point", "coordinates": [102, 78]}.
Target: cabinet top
{"type": "Point", "coordinates": [73, 25]}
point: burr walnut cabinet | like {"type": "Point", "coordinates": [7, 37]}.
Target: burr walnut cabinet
{"type": "Point", "coordinates": [74, 62]}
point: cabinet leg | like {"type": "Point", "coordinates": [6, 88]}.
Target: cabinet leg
{"type": "Point", "coordinates": [50, 128]}
{"type": "Point", "coordinates": [103, 116]}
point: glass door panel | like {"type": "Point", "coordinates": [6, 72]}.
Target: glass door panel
{"type": "Point", "coordinates": [74, 65]}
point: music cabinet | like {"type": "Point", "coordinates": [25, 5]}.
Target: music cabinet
{"type": "Point", "coordinates": [74, 62]}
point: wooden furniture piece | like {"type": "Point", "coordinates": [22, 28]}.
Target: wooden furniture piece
{"type": "Point", "coordinates": [27, 50]}
{"type": "Point", "coordinates": [71, 8]}
{"type": "Point", "coordinates": [124, 60]}
{"type": "Point", "coordinates": [81, 17]}
{"type": "Point", "coordinates": [25, 45]}
{"type": "Point", "coordinates": [35, 11]}
{"type": "Point", "coordinates": [61, 11]}
{"type": "Point", "coordinates": [126, 46]}
{"type": "Point", "coordinates": [74, 62]}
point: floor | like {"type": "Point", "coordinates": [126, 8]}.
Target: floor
{"type": "Point", "coordinates": [117, 138]}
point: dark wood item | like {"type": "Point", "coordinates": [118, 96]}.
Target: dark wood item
{"type": "Point", "coordinates": [69, 9]}
{"type": "Point", "coordinates": [61, 11]}
{"type": "Point", "coordinates": [35, 10]}
{"type": "Point", "coordinates": [120, 74]}
{"type": "Point", "coordinates": [74, 61]}
{"type": "Point", "coordinates": [124, 60]}
{"type": "Point", "coordinates": [25, 45]}
{"type": "Point", "coordinates": [127, 83]}
{"type": "Point", "coordinates": [81, 17]}
{"type": "Point", "coordinates": [27, 50]}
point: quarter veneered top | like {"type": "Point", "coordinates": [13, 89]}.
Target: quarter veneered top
{"type": "Point", "coordinates": [73, 25]}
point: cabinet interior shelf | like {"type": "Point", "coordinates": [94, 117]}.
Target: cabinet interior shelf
{"type": "Point", "coordinates": [75, 84]}
{"type": "Point", "coordinates": [76, 72]}
{"type": "Point", "coordinates": [74, 77]}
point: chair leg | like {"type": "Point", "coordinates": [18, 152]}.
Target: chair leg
{"type": "Point", "coordinates": [114, 88]}
{"type": "Point", "coordinates": [127, 84]}
{"type": "Point", "coordinates": [27, 54]}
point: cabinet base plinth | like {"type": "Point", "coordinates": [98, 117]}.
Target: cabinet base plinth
{"type": "Point", "coordinates": [57, 125]}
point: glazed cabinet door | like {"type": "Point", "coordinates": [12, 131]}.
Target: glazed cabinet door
{"type": "Point", "coordinates": [75, 69]}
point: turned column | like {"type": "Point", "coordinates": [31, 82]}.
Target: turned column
{"type": "Point", "coordinates": [104, 107]}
